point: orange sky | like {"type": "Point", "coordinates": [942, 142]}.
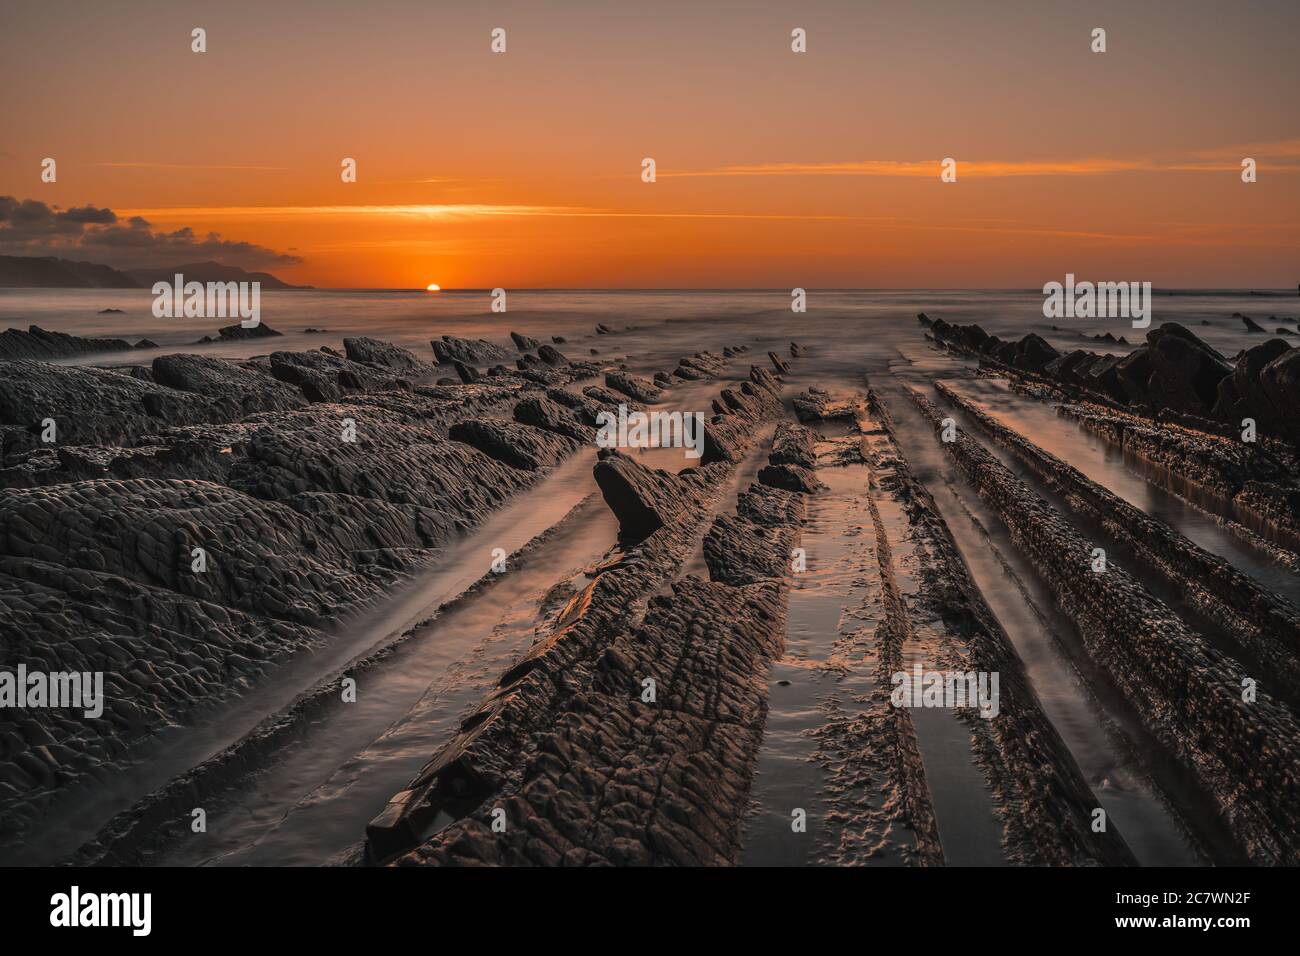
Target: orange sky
{"type": "Point", "coordinates": [775, 169]}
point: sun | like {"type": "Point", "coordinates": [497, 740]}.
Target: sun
{"type": "Point", "coordinates": [433, 287]}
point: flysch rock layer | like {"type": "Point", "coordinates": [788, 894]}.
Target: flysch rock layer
{"type": "Point", "coordinates": [1253, 492]}
{"type": "Point", "coordinates": [300, 509]}
{"type": "Point", "coordinates": [1041, 797]}
{"type": "Point", "coordinates": [140, 832]}
{"type": "Point", "coordinates": [566, 762]}
{"type": "Point", "coordinates": [1245, 755]}
{"type": "Point", "coordinates": [37, 343]}
{"type": "Point", "coordinates": [1265, 625]}
{"type": "Point", "coordinates": [1178, 405]}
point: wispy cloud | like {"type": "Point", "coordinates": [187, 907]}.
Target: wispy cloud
{"type": "Point", "coordinates": [134, 165]}
{"type": "Point", "coordinates": [448, 212]}
{"type": "Point", "coordinates": [1282, 156]}
{"type": "Point", "coordinates": [438, 211]}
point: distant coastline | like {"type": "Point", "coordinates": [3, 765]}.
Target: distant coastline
{"type": "Point", "coordinates": [52, 272]}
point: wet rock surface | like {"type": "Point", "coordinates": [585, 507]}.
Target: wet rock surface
{"type": "Point", "coordinates": [1178, 404]}
{"type": "Point", "coordinates": [1174, 372]}
{"type": "Point", "coordinates": [239, 333]}
{"type": "Point", "coordinates": [37, 343]}
{"type": "Point", "coordinates": [450, 349]}
{"type": "Point", "coordinates": [635, 388]}
{"type": "Point", "coordinates": [1188, 693]}
{"type": "Point", "coordinates": [818, 405]}
{"type": "Point", "coordinates": [197, 523]}
{"type": "Point", "coordinates": [1263, 624]}
{"type": "Point", "coordinates": [934, 612]}
{"type": "Point", "coordinates": [620, 740]}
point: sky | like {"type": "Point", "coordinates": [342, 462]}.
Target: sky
{"type": "Point", "coordinates": [774, 169]}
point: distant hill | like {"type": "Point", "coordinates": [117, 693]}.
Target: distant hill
{"type": "Point", "coordinates": [210, 272]}
{"type": "Point", "coordinates": [50, 272]}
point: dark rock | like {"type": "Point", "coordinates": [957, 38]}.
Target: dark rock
{"type": "Point", "coordinates": [552, 356]}
{"type": "Point", "coordinates": [586, 408]}
{"type": "Point", "coordinates": [324, 376]}
{"type": "Point", "coordinates": [1185, 372]}
{"type": "Point", "coordinates": [236, 390]}
{"type": "Point", "coordinates": [642, 500]}
{"type": "Point", "coordinates": [611, 400]}
{"type": "Point", "coordinates": [971, 336]}
{"type": "Point", "coordinates": [1250, 324]}
{"type": "Point", "coordinates": [1242, 394]}
{"type": "Point", "coordinates": [632, 386]}
{"type": "Point", "coordinates": [468, 374]}
{"type": "Point", "coordinates": [1032, 353]}
{"type": "Point", "coordinates": [36, 343]}
{"type": "Point", "coordinates": [1066, 367]}
{"type": "Point", "coordinates": [817, 405]}
{"type": "Point", "coordinates": [313, 377]}
{"type": "Point", "coordinates": [789, 478]}
{"type": "Point", "coordinates": [1102, 375]}
{"type": "Point", "coordinates": [550, 416]}
{"type": "Point", "coordinates": [701, 365]}
{"type": "Point", "coordinates": [1134, 374]}
{"type": "Point", "coordinates": [237, 333]}
{"type": "Point", "coordinates": [384, 355]}
{"type": "Point", "coordinates": [1280, 381]}
{"type": "Point", "coordinates": [523, 342]}
{"type": "Point", "coordinates": [757, 542]}
{"type": "Point", "coordinates": [89, 405]}
{"type": "Point", "coordinates": [476, 352]}
{"type": "Point", "coordinates": [793, 445]}
{"type": "Point", "coordinates": [518, 446]}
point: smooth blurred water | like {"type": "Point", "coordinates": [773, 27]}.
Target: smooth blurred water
{"type": "Point", "coordinates": [864, 327]}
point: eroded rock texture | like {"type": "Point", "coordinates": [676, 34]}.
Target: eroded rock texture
{"type": "Point", "coordinates": [190, 527]}
{"type": "Point", "coordinates": [37, 343]}
{"type": "Point", "coordinates": [1187, 693]}
{"type": "Point", "coordinates": [621, 738]}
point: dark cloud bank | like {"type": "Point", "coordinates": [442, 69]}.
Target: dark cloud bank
{"type": "Point", "coordinates": [29, 227]}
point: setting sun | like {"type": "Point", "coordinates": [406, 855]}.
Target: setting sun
{"type": "Point", "coordinates": [433, 287]}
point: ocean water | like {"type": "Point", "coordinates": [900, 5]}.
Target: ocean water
{"type": "Point", "coordinates": [849, 328]}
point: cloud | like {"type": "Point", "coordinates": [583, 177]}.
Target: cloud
{"type": "Point", "coordinates": [440, 212]}
{"type": "Point", "coordinates": [135, 165]}
{"type": "Point", "coordinates": [451, 212]}
{"type": "Point", "coordinates": [1277, 156]}
{"type": "Point", "coordinates": [29, 227]}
